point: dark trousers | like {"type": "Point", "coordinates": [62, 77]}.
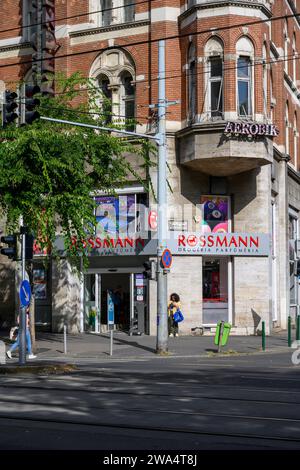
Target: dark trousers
{"type": "Point", "coordinates": [172, 325]}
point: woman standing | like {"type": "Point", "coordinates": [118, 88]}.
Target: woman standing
{"type": "Point", "coordinates": [173, 305]}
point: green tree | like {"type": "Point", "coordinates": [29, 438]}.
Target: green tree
{"type": "Point", "coordinates": [48, 171]}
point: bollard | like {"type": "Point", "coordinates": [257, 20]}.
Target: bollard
{"type": "Point", "coordinates": [289, 331]}
{"type": "Point", "coordinates": [2, 353]}
{"type": "Point", "coordinates": [298, 328]}
{"type": "Point", "coordinates": [263, 335]}
{"type": "Point", "coordinates": [65, 339]}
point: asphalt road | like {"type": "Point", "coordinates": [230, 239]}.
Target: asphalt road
{"type": "Point", "coordinates": [240, 403]}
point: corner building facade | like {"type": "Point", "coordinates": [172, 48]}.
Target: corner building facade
{"type": "Point", "coordinates": [232, 73]}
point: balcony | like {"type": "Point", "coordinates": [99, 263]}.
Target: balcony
{"type": "Point", "coordinates": [210, 149]}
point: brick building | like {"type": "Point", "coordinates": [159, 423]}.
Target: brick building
{"type": "Point", "coordinates": [233, 152]}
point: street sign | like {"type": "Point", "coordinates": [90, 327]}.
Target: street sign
{"type": "Point", "coordinates": [166, 258]}
{"type": "Point", "coordinates": [110, 308]}
{"type": "Point", "coordinates": [25, 293]}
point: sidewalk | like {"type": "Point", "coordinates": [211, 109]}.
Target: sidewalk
{"type": "Point", "coordinates": [50, 346]}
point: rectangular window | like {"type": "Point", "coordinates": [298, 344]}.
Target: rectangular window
{"type": "Point", "coordinates": [244, 86]}
{"type": "Point", "coordinates": [106, 12]}
{"type": "Point", "coordinates": [216, 87]}
{"type": "Point", "coordinates": [129, 11]}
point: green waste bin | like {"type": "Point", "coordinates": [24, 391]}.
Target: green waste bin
{"type": "Point", "coordinates": [225, 335]}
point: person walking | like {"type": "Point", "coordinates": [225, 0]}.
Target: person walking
{"type": "Point", "coordinates": [28, 338]}
{"type": "Point", "coordinates": [173, 305]}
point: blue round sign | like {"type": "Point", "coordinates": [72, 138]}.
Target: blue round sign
{"type": "Point", "coordinates": [166, 258]}
{"type": "Point", "coordinates": [25, 293]}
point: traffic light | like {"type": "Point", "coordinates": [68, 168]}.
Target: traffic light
{"type": "Point", "coordinates": [150, 270]}
{"type": "Point", "coordinates": [29, 240]}
{"type": "Point", "coordinates": [10, 105]}
{"type": "Point", "coordinates": [11, 251]}
{"type": "Point", "coordinates": [29, 104]}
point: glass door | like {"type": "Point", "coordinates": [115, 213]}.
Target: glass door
{"type": "Point", "coordinates": [215, 290]}
{"type": "Point", "coordinates": [92, 302]}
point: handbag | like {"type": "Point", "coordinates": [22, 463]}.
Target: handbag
{"type": "Point", "coordinates": [178, 316]}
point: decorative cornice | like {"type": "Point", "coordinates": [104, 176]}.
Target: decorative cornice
{"type": "Point", "coordinates": [15, 47]}
{"type": "Point", "coordinates": [115, 27]}
{"type": "Point", "coordinates": [257, 4]}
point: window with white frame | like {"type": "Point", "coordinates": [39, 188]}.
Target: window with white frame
{"type": "Point", "coordinates": [287, 125]}
{"type": "Point", "coordinates": [296, 135]}
{"type": "Point", "coordinates": [245, 57]}
{"type": "Point", "coordinates": [294, 59]}
{"type": "Point", "coordinates": [192, 83]}
{"type": "Point", "coordinates": [110, 12]}
{"type": "Point", "coordinates": [244, 86]}
{"type": "Point", "coordinates": [265, 81]}
{"type": "Point", "coordinates": [114, 72]}
{"type": "Point", "coordinates": [286, 45]}
{"type": "Point", "coordinates": [214, 78]}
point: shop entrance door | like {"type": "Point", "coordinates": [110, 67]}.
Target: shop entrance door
{"type": "Point", "coordinates": [215, 290]}
{"type": "Point", "coordinates": [129, 294]}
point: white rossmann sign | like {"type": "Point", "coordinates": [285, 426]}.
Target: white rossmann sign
{"type": "Point", "coordinates": [221, 244]}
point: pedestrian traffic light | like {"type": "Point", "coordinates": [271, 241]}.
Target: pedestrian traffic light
{"type": "Point", "coordinates": [11, 250]}
{"type": "Point", "coordinates": [150, 270]}
{"type": "Point", "coordinates": [10, 105]}
{"type": "Point", "coordinates": [29, 104]}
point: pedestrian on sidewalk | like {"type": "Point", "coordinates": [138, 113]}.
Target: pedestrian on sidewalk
{"type": "Point", "coordinates": [173, 305]}
{"type": "Point", "coordinates": [28, 338]}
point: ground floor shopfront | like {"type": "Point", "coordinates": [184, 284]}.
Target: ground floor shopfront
{"type": "Point", "coordinates": [211, 288]}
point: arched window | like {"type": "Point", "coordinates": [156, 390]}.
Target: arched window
{"type": "Point", "coordinates": [245, 57]}
{"type": "Point", "coordinates": [192, 84]}
{"type": "Point", "coordinates": [127, 99]}
{"type": "Point", "coordinates": [114, 72]}
{"type": "Point", "coordinates": [106, 101]}
{"type": "Point", "coordinates": [287, 140]}
{"type": "Point", "coordinates": [214, 70]}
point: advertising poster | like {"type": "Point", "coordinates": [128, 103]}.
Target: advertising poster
{"type": "Point", "coordinates": [214, 214]}
{"type": "Point", "coordinates": [114, 214]}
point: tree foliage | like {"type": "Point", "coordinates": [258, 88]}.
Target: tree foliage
{"type": "Point", "coordinates": [48, 170]}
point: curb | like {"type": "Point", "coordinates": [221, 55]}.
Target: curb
{"type": "Point", "coordinates": [38, 369]}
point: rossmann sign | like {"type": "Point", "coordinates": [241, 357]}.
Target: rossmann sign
{"type": "Point", "coordinates": [221, 244]}
{"type": "Point", "coordinates": [182, 243]}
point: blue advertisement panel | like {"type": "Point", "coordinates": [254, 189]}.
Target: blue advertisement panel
{"type": "Point", "coordinates": [110, 308]}
{"type": "Point", "coordinates": [115, 215]}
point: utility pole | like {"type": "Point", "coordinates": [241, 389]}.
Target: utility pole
{"type": "Point", "coordinates": [22, 317]}
{"type": "Point", "coordinates": [162, 313]}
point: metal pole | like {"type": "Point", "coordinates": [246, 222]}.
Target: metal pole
{"type": "Point", "coordinates": [101, 128]}
{"type": "Point", "coordinates": [298, 328]}
{"type": "Point", "coordinates": [289, 331]}
{"type": "Point", "coordinates": [162, 314]}
{"type": "Point", "coordinates": [65, 339]}
{"type": "Point", "coordinates": [220, 336]}
{"type": "Point", "coordinates": [263, 336]}
{"type": "Point", "coordinates": [22, 318]}
{"type": "Point", "coordinates": [111, 340]}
